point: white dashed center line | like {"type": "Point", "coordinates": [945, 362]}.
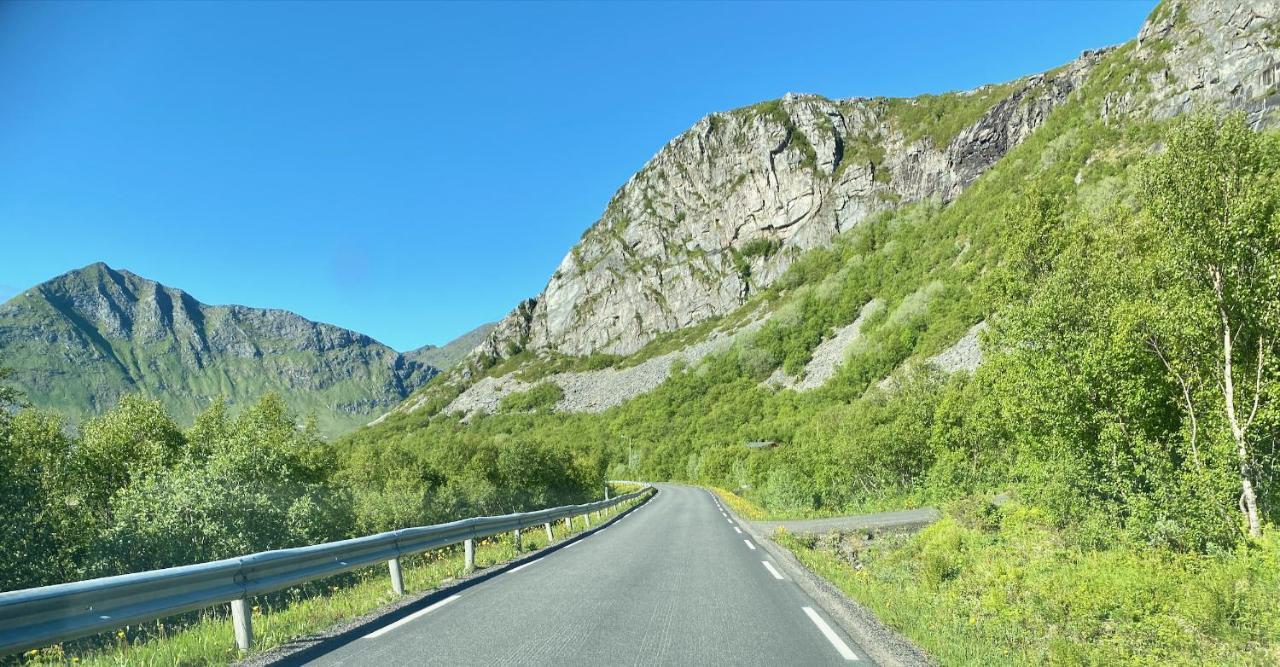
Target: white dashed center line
{"type": "Point", "coordinates": [749, 544]}
{"type": "Point", "coordinates": [769, 566]}
{"type": "Point", "coordinates": [738, 529]}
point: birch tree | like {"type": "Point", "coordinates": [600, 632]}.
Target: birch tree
{"type": "Point", "coordinates": [1212, 197]}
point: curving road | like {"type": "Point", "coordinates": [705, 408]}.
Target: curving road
{"type": "Point", "coordinates": [676, 581]}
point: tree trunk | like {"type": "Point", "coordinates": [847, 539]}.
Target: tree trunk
{"type": "Point", "coordinates": [1248, 498]}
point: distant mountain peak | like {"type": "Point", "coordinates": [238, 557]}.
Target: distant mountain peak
{"type": "Point", "coordinates": [450, 354]}
{"type": "Point", "coordinates": [81, 339]}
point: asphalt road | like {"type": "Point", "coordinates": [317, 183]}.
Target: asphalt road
{"type": "Point", "coordinates": [673, 582]}
{"type": "Point", "coordinates": [901, 519]}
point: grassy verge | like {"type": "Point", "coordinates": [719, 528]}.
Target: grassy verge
{"type": "Point", "coordinates": [1009, 589]}
{"type": "Point", "coordinates": [208, 639]}
{"type": "Point", "coordinates": [741, 506]}
{"type": "Point", "coordinates": [752, 511]}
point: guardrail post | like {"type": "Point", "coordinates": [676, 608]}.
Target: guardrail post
{"type": "Point", "coordinates": [243, 622]}
{"type": "Point", "coordinates": [517, 540]}
{"type": "Point", "coordinates": [586, 520]}
{"type": "Point", "coordinates": [568, 524]}
{"type": "Point", "coordinates": [550, 537]}
{"type": "Point", "coordinates": [397, 580]}
{"type": "Point", "coordinates": [469, 552]}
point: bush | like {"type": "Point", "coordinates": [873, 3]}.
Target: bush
{"type": "Point", "coordinates": [540, 398]}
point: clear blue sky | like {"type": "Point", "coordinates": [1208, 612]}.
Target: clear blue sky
{"type": "Point", "coordinates": [412, 170]}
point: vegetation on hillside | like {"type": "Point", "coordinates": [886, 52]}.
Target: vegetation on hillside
{"type": "Point", "coordinates": [81, 341]}
{"type": "Point", "coordinates": [1102, 406]}
{"type": "Point", "coordinates": [1128, 404]}
{"type": "Point", "coordinates": [133, 491]}
{"type": "Point", "coordinates": [941, 117]}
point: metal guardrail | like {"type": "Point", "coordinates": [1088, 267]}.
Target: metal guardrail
{"type": "Point", "coordinates": [37, 617]}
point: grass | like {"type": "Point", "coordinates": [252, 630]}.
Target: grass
{"type": "Point", "coordinates": [1016, 592]}
{"type": "Point", "coordinates": [942, 117]}
{"type": "Point", "coordinates": [278, 618]}
{"type": "Point", "coordinates": [752, 511]}
{"type": "Point", "coordinates": [741, 506]}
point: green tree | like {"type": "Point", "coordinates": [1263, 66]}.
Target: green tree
{"type": "Point", "coordinates": [1214, 194]}
{"type": "Point", "coordinates": [257, 482]}
{"type": "Point", "coordinates": [133, 439]}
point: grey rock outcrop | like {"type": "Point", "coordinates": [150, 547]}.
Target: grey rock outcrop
{"type": "Point", "coordinates": [598, 390]}
{"type": "Point", "coordinates": [828, 356]}
{"type": "Point", "coordinates": [964, 355]}
{"type": "Point", "coordinates": [1209, 53]}
{"type": "Point", "coordinates": [724, 208]}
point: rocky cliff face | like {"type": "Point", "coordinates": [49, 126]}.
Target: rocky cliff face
{"type": "Point", "coordinates": [1218, 53]}
{"type": "Point", "coordinates": [79, 341]}
{"type": "Point", "coordinates": [724, 208]}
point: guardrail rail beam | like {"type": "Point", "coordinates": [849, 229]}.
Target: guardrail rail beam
{"type": "Point", "coordinates": [39, 617]}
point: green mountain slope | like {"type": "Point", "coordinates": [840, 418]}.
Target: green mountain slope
{"type": "Point", "coordinates": [1084, 222]}
{"type": "Point", "coordinates": [81, 340]}
{"type": "Point", "coordinates": [450, 354]}
{"type": "Point", "coordinates": [1098, 406]}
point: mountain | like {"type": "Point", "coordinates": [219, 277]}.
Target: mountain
{"type": "Point", "coordinates": [689, 253]}
{"type": "Point", "coordinates": [81, 340]}
{"type": "Point", "coordinates": [448, 355]}
{"type": "Point", "coordinates": [726, 207]}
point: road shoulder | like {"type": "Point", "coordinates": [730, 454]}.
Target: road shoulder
{"type": "Point", "coordinates": [884, 644]}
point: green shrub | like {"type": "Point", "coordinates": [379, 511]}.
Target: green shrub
{"type": "Point", "coordinates": [542, 397]}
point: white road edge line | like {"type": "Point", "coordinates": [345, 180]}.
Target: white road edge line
{"type": "Point", "coordinates": [753, 547]}
{"type": "Point", "coordinates": [572, 544]}
{"type": "Point", "coordinates": [768, 566]}
{"type": "Point", "coordinates": [521, 567]}
{"type": "Point", "coordinates": [411, 617]}
{"type": "Point", "coordinates": [844, 651]}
